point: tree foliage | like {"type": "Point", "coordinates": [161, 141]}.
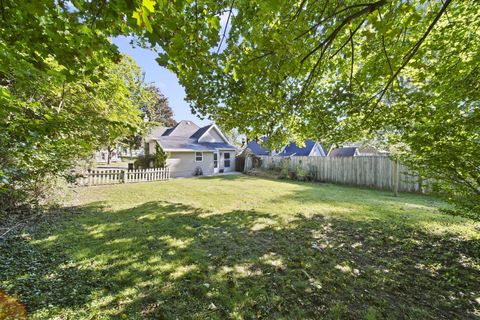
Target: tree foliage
{"type": "Point", "coordinates": [290, 69]}
{"type": "Point", "coordinates": [158, 109]}
{"type": "Point", "coordinates": [345, 70]}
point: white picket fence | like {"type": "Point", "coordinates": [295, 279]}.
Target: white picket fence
{"type": "Point", "coordinates": [115, 176]}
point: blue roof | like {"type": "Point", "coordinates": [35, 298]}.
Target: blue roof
{"type": "Point", "coordinates": [343, 152]}
{"type": "Point", "coordinates": [255, 148]}
{"type": "Point", "coordinates": [293, 149]}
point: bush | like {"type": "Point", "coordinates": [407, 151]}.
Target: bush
{"type": "Point", "coordinates": [156, 160]}
{"type": "Point", "coordinates": [284, 171]}
{"type": "Point", "coordinates": [302, 174]}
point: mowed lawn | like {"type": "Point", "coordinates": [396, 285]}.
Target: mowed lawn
{"type": "Point", "coordinates": [240, 247]}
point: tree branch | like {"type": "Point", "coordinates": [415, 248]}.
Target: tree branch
{"type": "Point", "coordinates": [326, 43]}
{"type": "Point", "coordinates": [414, 49]}
{"type": "Point", "coordinates": [367, 5]}
{"type": "Point", "coordinates": [352, 58]}
{"type": "Point", "coordinates": [226, 25]}
{"type": "Point", "coordinates": [348, 40]}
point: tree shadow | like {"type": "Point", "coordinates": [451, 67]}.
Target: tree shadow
{"type": "Point", "coordinates": [165, 260]}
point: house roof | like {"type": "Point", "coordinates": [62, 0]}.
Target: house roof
{"type": "Point", "coordinates": [184, 128]}
{"type": "Point", "coordinates": [257, 149]}
{"type": "Point", "coordinates": [200, 132]}
{"type": "Point", "coordinates": [293, 149]}
{"type": "Point", "coordinates": [343, 152]}
{"type": "Point", "coordinates": [184, 137]}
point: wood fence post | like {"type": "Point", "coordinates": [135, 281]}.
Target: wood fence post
{"type": "Point", "coordinates": [123, 176]}
{"type": "Point", "coordinates": [396, 178]}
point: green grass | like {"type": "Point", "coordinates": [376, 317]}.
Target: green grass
{"type": "Point", "coordinates": [239, 247]}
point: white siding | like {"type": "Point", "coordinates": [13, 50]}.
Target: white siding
{"type": "Point", "coordinates": [182, 164]}
{"type": "Point", "coordinates": [232, 161]}
{"type": "Point", "coordinates": [152, 146]}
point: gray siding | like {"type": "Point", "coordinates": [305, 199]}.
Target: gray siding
{"type": "Point", "coordinates": [182, 164]}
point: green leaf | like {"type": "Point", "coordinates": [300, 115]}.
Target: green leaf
{"type": "Point", "coordinates": [149, 5]}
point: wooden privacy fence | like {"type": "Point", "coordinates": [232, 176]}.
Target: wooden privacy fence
{"type": "Point", "coordinates": [114, 176]}
{"type": "Point", "coordinates": [375, 172]}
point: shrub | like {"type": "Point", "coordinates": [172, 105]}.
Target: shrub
{"type": "Point", "coordinates": [302, 174]}
{"type": "Point", "coordinates": [156, 160]}
{"type": "Point", "coordinates": [284, 165]}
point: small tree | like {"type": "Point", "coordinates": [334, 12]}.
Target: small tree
{"type": "Point", "coordinates": [156, 160]}
{"type": "Point", "coordinates": [160, 157]}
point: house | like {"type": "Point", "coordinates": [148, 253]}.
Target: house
{"type": "Point", "coordinates": [344, 152]}
{"type": "Point", "coordinates": [193, 150]}
{"type": "Point", "coordinates": [257, 147]}
{"type": "Point", "coordinates": [103, 155]}
{"type": "Point", "coordinates": [310, 149]}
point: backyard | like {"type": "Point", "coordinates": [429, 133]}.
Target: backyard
{"type": "Point", "coordinates": [241, 247]}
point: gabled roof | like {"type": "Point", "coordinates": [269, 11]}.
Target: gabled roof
{"type": "Point", "coordinates": [293, 149]}
{"type": "Point", "coordinates": [184, 129]}
{"type": "Point", "coordinates": [343, 152]}
{"type": "Point", "coordinates": [200, 132]}
{"type": "Point", "coordinates": [257, 149]}
{"type": "Point", "coordinates": [185, 137]}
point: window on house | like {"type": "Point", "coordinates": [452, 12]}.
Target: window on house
{"type": "Point", "coordinates": [215, 160]}
{"type": "Point", "coordinates": [226, 157]}
{"type": "Point", "coordinates": [198, 156]}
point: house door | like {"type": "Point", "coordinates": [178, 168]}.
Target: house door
{"type": "Point", "coordinates": [215, 162]}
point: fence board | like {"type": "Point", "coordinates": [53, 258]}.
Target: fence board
{"type": "Point", "coordinates": [375, 172]}
{"type": "Point", "coordinates": [115, 176]}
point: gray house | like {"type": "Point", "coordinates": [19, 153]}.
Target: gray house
{"type": "Point", "coordinates": [193, 150]}
{"type": "Point", "coordinates": [344, 152]}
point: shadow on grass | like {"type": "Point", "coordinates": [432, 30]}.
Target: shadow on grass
{"type": "Point", "coordinates": [166, 260]}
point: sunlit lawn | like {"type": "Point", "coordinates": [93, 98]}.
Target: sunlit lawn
{"type": "Point", "coordinates": [238, 247]}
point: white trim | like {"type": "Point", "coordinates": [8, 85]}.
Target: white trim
{"type": "Point", "coordinates": [218, 131]}
{"type": "Point", "coordinates": [188, 150]}
{"type": "Point", "coordinates": [196, 156]}
{"type": "Point", "coordinates": [330, 150]}
{"type": "Point", "coordinates": [317, 145]}
{"type": "Point", "coordinates": [284, 147]}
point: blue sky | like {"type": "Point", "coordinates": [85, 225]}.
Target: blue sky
{"type": "Point", "coordinates": [161, 77]}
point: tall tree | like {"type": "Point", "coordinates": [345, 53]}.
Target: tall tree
{"type": "Point", "coordinates": [158, 109]}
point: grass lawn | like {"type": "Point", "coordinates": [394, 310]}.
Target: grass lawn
{"type": "Point", "coordinates": [239, 247]}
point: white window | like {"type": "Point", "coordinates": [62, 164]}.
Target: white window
{"type": "Point", "coordinates": [215, 160]}
{"type": "Point", "coordinates": [226, 158]}
{"type": "Point", "coordinates": [198, 156]}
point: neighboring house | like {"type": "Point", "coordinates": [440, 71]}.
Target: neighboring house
{"type": "Point", "coordinates": [257, 147]}
{"type": "Point", "coordinates": [101, 156]}
{"type": "Point", "coordinates": [344, 152]}
{"type": "Point", "coordinates": [193, 149]}
{"type": "Point", "coordinates": [310, 149]}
